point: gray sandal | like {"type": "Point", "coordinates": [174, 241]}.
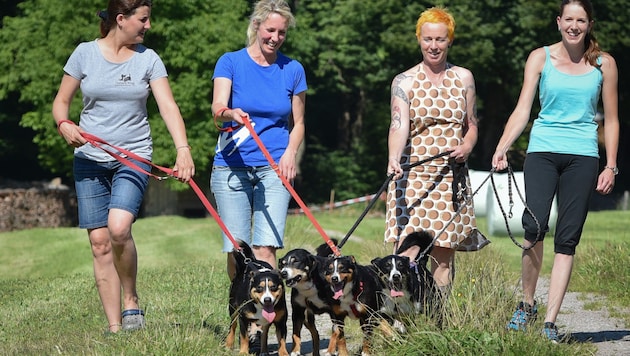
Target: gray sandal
{"type": "Point", "coordinates": [132, 319]}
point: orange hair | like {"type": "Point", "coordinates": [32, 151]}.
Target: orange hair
{"type": "Point", "coordinates": [437, 14]}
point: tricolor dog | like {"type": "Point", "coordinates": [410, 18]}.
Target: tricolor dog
{"type": "Point", "coordinates": [356, 294]}
{"type": "Point", "coordinates": [302, 271]}
{"type": "Point", "coordinates": [408, 285]}
{"type": "Point", "coordinates": [256, 295]}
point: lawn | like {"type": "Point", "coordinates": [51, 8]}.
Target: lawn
{"type": "Point", "coordinates": [49, 305]}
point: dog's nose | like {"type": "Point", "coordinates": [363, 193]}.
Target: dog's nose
{"type": "Point", "coordinates": [335, 279]}
{"type": "Point", "coordinates": [396, 277]}
{"type": "Point", "coordinates": [284, 274]}
{"type": "Point", "coordinates": [267, 300]}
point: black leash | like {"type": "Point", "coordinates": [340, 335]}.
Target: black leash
{"type": "Point", "coordinates": [509, 215]}
{"type": "Point", "coordinates": [405, 167]}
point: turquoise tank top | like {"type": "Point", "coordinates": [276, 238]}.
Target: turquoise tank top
{"type": "Point", "coordinates": [568, 104]}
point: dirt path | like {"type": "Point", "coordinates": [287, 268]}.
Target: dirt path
{"type": "Point", "coordinates": [610, 335]}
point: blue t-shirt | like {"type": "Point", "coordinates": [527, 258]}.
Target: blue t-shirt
{"type": "Point", "coordinates": [115, 98]}
{"type": "Point", "coordinates": [265, 93]}
{"type": "Point", "coordinates": [568, 104]}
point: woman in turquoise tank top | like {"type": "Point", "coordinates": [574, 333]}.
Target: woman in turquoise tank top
{"type": "Point", "coordinates": [563, 156]}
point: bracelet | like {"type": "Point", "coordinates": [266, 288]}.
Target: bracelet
{"type": "Point", "coordinates": [185, 146]}
{"type": "Point", "coordinates": [216, 124]}
{"type": "Point", "coordinates": [63, 121]}
{"type": "Point", "coordinates": [220, 112]}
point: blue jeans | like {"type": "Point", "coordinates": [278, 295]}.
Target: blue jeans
{"type": "Point", "coordinates": [101, 186]}
{"type": "Point", "coordinates": [252, 203]}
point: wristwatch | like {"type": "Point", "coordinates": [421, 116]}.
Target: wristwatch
{"type": "Point", "coordinates": [614, 169]}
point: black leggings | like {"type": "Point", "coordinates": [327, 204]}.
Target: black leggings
{"type": "Point", "coordinates": [572, 179]}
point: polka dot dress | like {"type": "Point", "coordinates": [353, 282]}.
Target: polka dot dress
{"type": "Point", "coordinates": [423, 198]}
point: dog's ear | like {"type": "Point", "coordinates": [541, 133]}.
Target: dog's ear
{"type": "Point", "coordinates": [253, 272]}
{"type": "Point", "coordinates": [375, 261]}
{"type": "Point", "coordinates": [353, 260]}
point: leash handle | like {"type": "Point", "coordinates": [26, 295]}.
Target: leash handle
{"type": "Point", "coordinates": [289, 187]}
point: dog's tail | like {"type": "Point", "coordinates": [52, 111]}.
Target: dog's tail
{"type": "Point", "coordinates": [422, 239]}
{"type": "Point", "coordinates": [243, 256]}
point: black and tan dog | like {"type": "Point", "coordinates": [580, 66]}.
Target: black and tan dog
{"type": "Point", "coordinates": [356, 294]}
{"type": "Point", "coordinates": [302, 271]}
{"type": "Point", "coordinates": [408, 285]}
{"type": "Point", "coordinates": [256, 296]}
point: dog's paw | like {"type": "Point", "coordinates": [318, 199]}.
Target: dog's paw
{"type": "Point", "coordinates": [400, 327]}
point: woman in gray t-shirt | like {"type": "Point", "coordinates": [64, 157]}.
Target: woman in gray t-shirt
{"type": "Point", "coordinates": [115, 74]}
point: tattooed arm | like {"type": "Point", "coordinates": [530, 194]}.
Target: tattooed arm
{"type": "Point", "coordinates": [399, 126]}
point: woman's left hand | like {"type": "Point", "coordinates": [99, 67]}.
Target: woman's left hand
{"type": "Point", "coordinates": [459, 153]}
{"type": "Point", "coordinates": [605, 182]}
{"type": "Point", "coordinates": [184, 168]}
{"type": "Point", "coordinates": [287, 166]}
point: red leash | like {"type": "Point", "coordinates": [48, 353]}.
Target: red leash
{"type": "Point", "coordinates": [100, 143]}
{"type": "Point", "coordinates": [289, 187]}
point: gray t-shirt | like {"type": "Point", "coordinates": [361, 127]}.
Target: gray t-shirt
{"type": "Point", "coordinates": [114, 98]}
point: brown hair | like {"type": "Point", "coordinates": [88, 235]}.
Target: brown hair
{"type": "Point", "coordinates": [591, 46]}
{"type": "Point", "coordinates": [115, 7]}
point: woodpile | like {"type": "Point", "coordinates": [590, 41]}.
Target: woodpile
{"type": "Point", "coordinates": [25, 205]}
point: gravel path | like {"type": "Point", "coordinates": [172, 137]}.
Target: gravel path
{"type": "Point", "coordinates": [610, 335]}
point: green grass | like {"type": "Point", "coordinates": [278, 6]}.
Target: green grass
{"type": "Point", "coordinates": [49, 304]}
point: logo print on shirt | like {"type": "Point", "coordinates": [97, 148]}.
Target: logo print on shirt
{"type": "Point", "coordinates": [237, 137]}
{"type": "Point", "coordinates": [125, 79]}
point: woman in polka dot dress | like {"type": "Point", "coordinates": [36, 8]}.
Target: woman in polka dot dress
{"type": "Point", "coordinates": [433, 111]}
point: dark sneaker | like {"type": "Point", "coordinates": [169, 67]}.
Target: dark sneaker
{"type": "Point", "coordinates": [550, 331]}
{"type": "Point", "coordinates": [523, 315]}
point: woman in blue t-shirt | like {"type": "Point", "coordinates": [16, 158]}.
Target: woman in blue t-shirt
{"type": "Point", "coordinates": [268, 88]}
{"type": "Point", "coordinates": [562, 156]}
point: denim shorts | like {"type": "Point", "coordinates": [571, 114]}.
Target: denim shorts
{"type": "Point", "coordinates": [252, 203]}
{"type": "Point", "coordinates": [101, 186]}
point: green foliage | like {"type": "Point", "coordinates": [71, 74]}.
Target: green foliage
{"type": "Point", "coordinates": [351, 50]}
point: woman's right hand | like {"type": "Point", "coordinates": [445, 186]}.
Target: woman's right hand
{"type": "Point", "coordinates": [72, 134]}
{"type": "Point", "coordinates": [237, 115]}
{"type": "Point", "coordinates": [499, 161]}
{"type": "Point", "coordinates": [393, 167]}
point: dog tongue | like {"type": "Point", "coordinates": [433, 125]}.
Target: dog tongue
{"type": "Point", "coordinates": [394, 293]}
{"type": "Point", "coordinates": [269, 315]}
{"type": "Point", "coordinates": [338, 294]}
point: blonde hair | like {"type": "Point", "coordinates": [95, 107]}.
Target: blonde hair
{"type": "Point", "coordinates": [262, 10]}
{"type": "Point", "coordinates": [436, 14]}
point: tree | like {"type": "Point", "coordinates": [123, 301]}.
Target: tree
{"type": "Point", "coordinates": [351, 50]}
{"type": "Point", "coordinates": [189, 36]}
